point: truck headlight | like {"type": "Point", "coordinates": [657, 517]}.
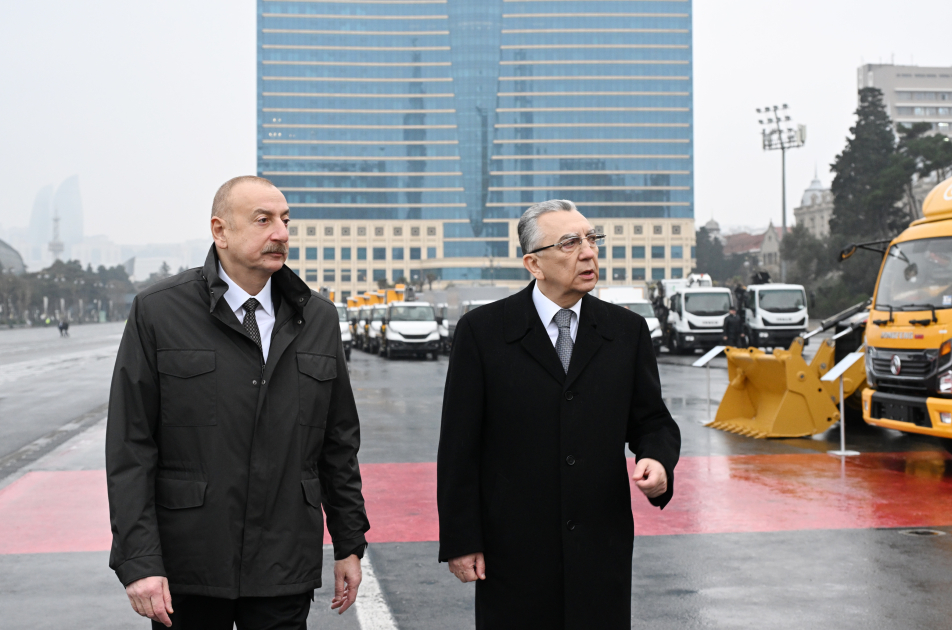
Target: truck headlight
{"type": "Point", "coordinates": [764, 335]}
{"type": "Point", "coordinates": [689, 338]}
{"type": "Point", "coordinates": [945, 382]}
{"type": "Point", "coordinates": [945, 418]}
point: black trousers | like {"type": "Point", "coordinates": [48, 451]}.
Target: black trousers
{"type": "Point", "coordinates": [198, 612]}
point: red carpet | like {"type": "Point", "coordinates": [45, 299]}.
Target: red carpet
{"type": "Point", "coordinates": [46, 512]}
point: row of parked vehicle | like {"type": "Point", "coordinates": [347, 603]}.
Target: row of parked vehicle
{"type": "Point", "coordinates": [401, 328]}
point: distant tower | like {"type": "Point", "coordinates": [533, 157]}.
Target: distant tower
{"type": "Point", "coordinates": [56, 245]}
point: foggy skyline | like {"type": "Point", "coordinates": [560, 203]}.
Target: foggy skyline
{"type": "Point", "coordinates": [153, 106]}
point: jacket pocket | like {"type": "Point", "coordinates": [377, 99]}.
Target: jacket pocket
{"type": "Point", "coordinates": [316, 376]}
{"type": "Point", "coordinates": [187, 386]}
{"type": "Point", "coordinates": [312, 492]}
{"type": "Point", "coordinates": [178, 494]}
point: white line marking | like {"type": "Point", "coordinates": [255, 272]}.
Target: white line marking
{"type": "Point", "coordinates": [372, 610]}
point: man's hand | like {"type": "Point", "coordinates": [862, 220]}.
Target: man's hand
{"type": "Point", "coordinates": [347, 577]}
{"type": "Point", "coordinates": [150, 598]}
{"type": "Point", "coordinates": [650, 477]}
{"type": "Point", "coordinates": [469, 568]}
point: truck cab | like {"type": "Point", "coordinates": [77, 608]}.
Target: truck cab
{"type": "Point", "coordinates": [632, 298]}
{"type": "Point", "coordinates": [344, 318]}
{"type": "Point", "coordinates": [464, 307]}
{"type": "Point", "coordinates": [360, 338]}
{"type": "Point", "coordinates": [774, 314]}
{"type": "Point", "coordinates": [442, 313]}
{"type": "Point", "coordinates": [410, 329]}
{"type": "Point", "coordinates": [696, 318]}
{"type": "Point", "coordinates": [909, 333]}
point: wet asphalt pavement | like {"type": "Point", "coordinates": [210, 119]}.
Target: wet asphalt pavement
{"type": "Point", "coordinates": [761, 533]}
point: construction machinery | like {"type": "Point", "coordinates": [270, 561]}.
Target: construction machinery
{"type": "Point", "coordinates": [780, 395]}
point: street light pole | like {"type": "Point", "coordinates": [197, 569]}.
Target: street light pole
{"type": "Point", "coordinates": [774, 138]}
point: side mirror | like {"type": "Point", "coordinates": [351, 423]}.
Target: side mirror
{"type": "Point", "coordinates": [846, 252]}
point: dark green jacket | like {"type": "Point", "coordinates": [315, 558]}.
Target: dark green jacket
{"type": "Point", "coordinates": [217, 466]}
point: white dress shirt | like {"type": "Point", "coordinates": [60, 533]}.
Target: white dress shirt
{"type": "Point", "coordinates": [547, 310]}
{"type": "Point", "coordinates": [264, 314]}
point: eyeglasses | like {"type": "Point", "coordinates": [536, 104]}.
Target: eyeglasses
{"type": "Point", "coordinates": [572, 243]}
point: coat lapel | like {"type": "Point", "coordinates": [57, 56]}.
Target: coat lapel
{"type": "Point", "coordinates": [523, 325]}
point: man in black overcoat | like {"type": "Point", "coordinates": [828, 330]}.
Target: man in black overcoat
{"type": "Point", "coordinates": [231, 425]}
{"type": "Point", "coordinates": [543, 392]}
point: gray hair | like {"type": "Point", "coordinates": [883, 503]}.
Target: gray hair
{"type": "Point", "coordinates": [530, 236]}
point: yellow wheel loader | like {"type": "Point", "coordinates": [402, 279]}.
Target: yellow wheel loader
{"type": "Point", "coordinates": [780, 395]}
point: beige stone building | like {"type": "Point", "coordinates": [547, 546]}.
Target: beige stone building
{"type": "Point", "coordinates": [352, 256]}
{"type": "Point", "coordinates": [816, 209]}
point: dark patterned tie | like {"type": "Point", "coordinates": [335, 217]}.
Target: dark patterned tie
{"type": "Point", "coordinates": [564, 344]}
{"type": "Point", "coordinates": [250, 322]}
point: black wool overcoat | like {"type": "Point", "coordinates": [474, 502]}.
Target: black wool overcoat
{"type": "Point", "coordinates": [531, 466]}
{"type": "Point", "coordinates": [217, 467]}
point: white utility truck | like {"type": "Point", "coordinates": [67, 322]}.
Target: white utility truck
{"type": "Point", "coordinates": [774, 314]}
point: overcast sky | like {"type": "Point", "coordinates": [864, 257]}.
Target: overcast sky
{"type": "Point", "coordinates": [153, 104]}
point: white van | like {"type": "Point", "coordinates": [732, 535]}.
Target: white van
{"type": "Point", "coordinates": [411, 330]}
{"type": "Point", "coordinates": [344, 317]}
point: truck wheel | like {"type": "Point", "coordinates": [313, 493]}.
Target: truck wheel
{"type": "Point", "coordinates": [676, 344]}
{"type": "Point", "coordinates": [946, 444]}
{"type": "Point", "coordinates": [347, 354]}
{"type": "Point", "coordinates": [389, 354]}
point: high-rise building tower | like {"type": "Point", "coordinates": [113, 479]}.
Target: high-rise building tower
{"type": "Point", "coordinates": [410, 136]}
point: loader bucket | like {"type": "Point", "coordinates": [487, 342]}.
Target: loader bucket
{"type": "Point", "coordinates": [779, 396]}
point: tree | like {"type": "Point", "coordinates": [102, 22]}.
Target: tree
{"type": "Point", "coordinates": [430, 277]}
{"type": "Point", "coordinates": [712, 260]}
{"type": "Point", "coordinates": [808, 257]}
{"type": "Point", "coordinates": [869, 183]}
{"type": "Point", "coordinates": [923, 154]}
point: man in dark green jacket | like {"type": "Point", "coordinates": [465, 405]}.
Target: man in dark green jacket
{"type": "Point", "coordinates": [231, 423]}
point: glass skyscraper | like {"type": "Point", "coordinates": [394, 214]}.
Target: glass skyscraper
{"type": "Point", "coordinates": [409, 136]}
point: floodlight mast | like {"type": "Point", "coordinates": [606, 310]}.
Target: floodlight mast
{"type": "Point", "coordinates": [775, 137]}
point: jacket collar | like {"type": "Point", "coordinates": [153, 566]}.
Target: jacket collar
{"type": "Point", "coordinates": [284, 282]}
{"type": "Point", "coordinates": [522, 324]}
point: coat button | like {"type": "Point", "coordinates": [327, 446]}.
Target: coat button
{"type": "Point", "coordinates": [570, 525]}
{"type": "Point", "coordinates": [264, 382]}
{"type": "Point", "coordinates": [300, 299]}
{"type": "Point", "coordinates": [299, 321]}
{"type": "Point", "coordinates": [254, 382]}
{"type": "Point", "coordinates": [569, 395]}
{"type": "Point", "coordinates": [570, 460]}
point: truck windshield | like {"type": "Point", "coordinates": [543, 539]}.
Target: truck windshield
{"type": "Point", "coordinates": [707, 303]}
{"type": "Point", "coordinates": [642, 308]}
{"type": "Point", "coordinates": [917, 275]}
{"type": "Point", "coordinates": [412, 314]}
{"type": "Point", "coordinates": [782, 300]}
{"type": "Point", "coordinates": [342, 313]}
{"type": "Point", "coordinates": [377, 314]}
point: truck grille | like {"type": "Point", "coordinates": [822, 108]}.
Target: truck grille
{"type": "Point", "coordinates": [914, 366]}
{"type": "Point", "coordinates": [799, 322]}
{"type": "Point", "coordinates": [415, 337]}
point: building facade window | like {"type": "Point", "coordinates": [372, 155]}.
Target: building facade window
{"type": "Point", "coordinates": [345, 253]}
{"type": "Point", "coordinates": [638, 252]}
{"type": "Point", "coordinates": [345, 275]}
{"type": "Point", "coordinates": [657, 251]}
{"type": "Point", "coordinates": [677, 251]}
{"type": "Point", "coordinates": [294, 253]}
{"type": "Point", "coordinates": [380, 253]}
{"type": "Point", "coordinates": [361, 253]}
{"type": "Point", "coordinates": [618, 252]}
{"type": "Point", "coordinates": [677, 272]}
{"type": "Point", "coordinates": [397, 253]}
{"type": "Point", "coordinates": [431, 252]}
{"type": "Point", "coordinates": [329, 275]}
{"type": "Point", "coordinates": [380, 274]}
{"type": "Point", "coordinates": [361, 275]}
{"type": "Point", "coordinates": [618, 273]}
{"type": "Point", "coordinates": [657, 273]}
{"type": "Point", "coordinates": [398, 275]}
{"type": "Point", "coordinates": [310, 275]}
{"type": "Point", "coordinates": [329, 253]}
{"type": "Point", "coordinates": [310, 253]}
{"type": "Point", "coordinates": [637, 273]}
{"type": "Point", "coordinates": [415, 253]}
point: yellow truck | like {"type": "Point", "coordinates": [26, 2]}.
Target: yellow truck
{"type": "Point", "coordinates": [909, 332]}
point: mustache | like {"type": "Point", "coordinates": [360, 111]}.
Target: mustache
{"type": "Point", "coordinates": [275, 248]}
